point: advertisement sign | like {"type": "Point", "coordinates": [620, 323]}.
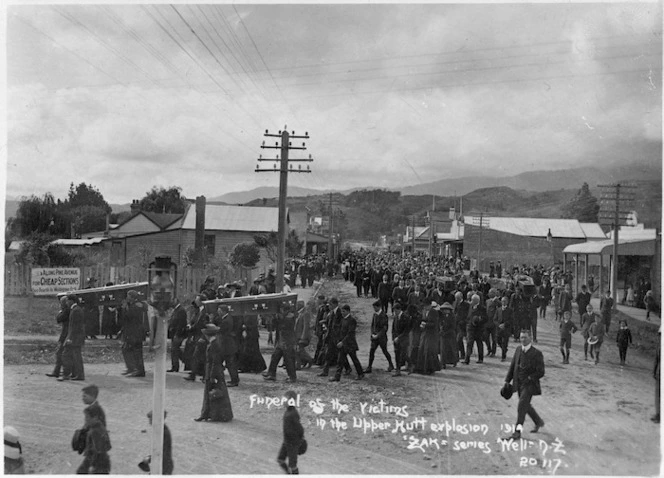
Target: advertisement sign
{"type": "Point", "coordinates": [50, 281]}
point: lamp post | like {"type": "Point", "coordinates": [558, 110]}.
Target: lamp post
{"type": "Point", "coordinates": [162, 277]}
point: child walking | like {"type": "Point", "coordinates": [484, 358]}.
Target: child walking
{"type": "Point", "coordinates": [597, 333]}
{"type": "Point", "coordinates": [293, 436]}
{"type": "Point", "coordinates": [567, 328]}
{"type": "Point", "coordinates": [623, 338]}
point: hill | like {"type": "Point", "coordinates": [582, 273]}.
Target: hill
{"type": "Point", "coordinates": [535, 181]}
{"type": "Point", "coordinates": [366, 215]}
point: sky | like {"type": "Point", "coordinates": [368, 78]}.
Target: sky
{"type": "Point", "coordinates": [127, 97]}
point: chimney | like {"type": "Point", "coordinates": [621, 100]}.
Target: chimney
{"type": "Point", "coordinates": [199, 238]}
{"type": "Point", "coordinates": [135, 206]}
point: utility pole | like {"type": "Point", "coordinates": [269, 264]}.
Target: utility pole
{"type": "Point", "coordinates": [431, 225]}
{"type": "Point", "coordinates": [412, 227]}
{"type": "Point", "coordinates": [283, 190]}
{"type": "Point", "coordinates": [482, 222]}
{"type": "Point", "coordinates": [330, 252]}
{"type": "Point", "coordinates": [610, 213]}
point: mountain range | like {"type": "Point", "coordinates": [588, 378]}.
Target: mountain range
{"type": "Point", "coordinates": [535, 181]}
{"type": "Point", "coordinates": [532, 181]}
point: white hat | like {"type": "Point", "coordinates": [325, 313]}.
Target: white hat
{"type": "Point", "coordinates": [12, 446]}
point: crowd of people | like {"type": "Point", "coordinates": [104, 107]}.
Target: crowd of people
{"type": "Point", "coordinates": [429, 310]}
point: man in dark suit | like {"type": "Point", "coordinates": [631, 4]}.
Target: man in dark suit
{"type": "Point", "coordinates": [72, 360]}
{"type": "Point", "coordinates": [332, 336]}
{"type": "Point", "coordinates": [379, 326]}
{"type": "Point", "coordinates": [133, 335]}
{"type": "Point", "coordinates": [400, 336]}
{"type": "Point", "coordinates": [505, 322]}
{"type": "Point", "coordinates": [63, 319]}
{"type": "Point", "coordinates": [285, 347]}
{"type": "Point", "coordinates": [177, 332]}
{"type": "Point", "coordinates": [347, 345]}
{"type": "Point", "coordinates": [323, 309]}
{"type": "Point", "coordinates": [526, 370]}
{"type": "Point", "coordinates": [229, 349]}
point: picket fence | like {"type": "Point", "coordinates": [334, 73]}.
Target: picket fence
{"type": "Point", "coordinates": [17, 278]}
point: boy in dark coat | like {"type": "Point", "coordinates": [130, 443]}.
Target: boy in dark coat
{"type": "Point", "coordinates": [623, 339]}
{"type": "Point", "coordinates": [89, 396]}
{"type": "Point", "coordinates": [567, 328]}
{"type": "Point", "coordinates": [293, 435]}
{"type": "Point", "coordinates": [97, 445]}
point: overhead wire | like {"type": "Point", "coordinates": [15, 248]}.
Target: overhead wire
{"type": "Point", "coordinates": [241, 22]}
{"type": "Point", "coordinates": [216, 29]}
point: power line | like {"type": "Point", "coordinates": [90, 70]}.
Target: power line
{"type": "Point", "coordinates": [457, 71]}
{"type": "Point", "coordinates": [479, 83]}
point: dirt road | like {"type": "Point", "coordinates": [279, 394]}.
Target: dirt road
{"type": "Point", "coordinates": [597, 417]}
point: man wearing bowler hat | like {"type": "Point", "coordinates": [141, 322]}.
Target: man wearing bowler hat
{"type": "Point", "coordinates": [526, 370]}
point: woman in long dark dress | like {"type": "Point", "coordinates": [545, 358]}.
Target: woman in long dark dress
{"type": "Point", "coordinates": [448, 342]}
{"type": "Point", "coordinates": [415, 335]}
{"type": "Point", "coordinates": [216, 402]}
{"type": "Point", "coordinates": [427, 356]}
{"type": "Point", "coordinates": [251, 359]}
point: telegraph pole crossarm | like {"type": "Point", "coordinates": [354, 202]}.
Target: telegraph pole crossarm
{"type": "Point", "coordinates": [284, 169]}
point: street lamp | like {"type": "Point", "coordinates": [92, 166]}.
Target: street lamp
{"type": "Point", "coordinates": [162, 277]}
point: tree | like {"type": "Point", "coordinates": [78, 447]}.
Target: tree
{"type": "Point", "coordinates": [38, 250]}
{"type": "Point", "coordinates": [86, 195]}
{"type": "Point", "coordinates": [36, 215]}
{"type": "Point", "coordinates": [583, 207]}
{"type": "Point", "coordinates": [87, 219]}
{"type": "Point", "coordinates": [246, 254]}
{"type": "Point", "coordinates": [293, 244]}
{"type": "Point", "coordinates": [269, 242]}
{"type": "Point", "coordinates": [160, 199]}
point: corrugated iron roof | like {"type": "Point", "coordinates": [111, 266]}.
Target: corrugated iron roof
{"type": "Point", "coordinates": [606, 246]}
{"type": "Point", "coordinates": [78, 242]}
{"type": "Point", "coordinates": [592, 230]}
{"type": "Point", "coordinates": [531, 226]}
{"type": "Point", "coordinates": [234, 218]}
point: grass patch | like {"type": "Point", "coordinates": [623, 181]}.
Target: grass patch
{"type": "Point", "coordinates": [31, 316]}
{"type": "Point", "coordinates": [43, 353]}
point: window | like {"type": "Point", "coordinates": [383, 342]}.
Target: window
{"type": "Point", "coordinates": [208, 244]}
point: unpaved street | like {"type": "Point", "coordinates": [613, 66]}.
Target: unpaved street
{"type": "Point", "coordinates": [597, 417]}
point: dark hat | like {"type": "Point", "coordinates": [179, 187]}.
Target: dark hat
{"type": "Point", "coordinates": [376, 304]}
{"type": "Point", "coordinates": [73, 298]}
{"type": "Point", "coordinates": [397, 306]}
{"type": "Point", "coordinates": [507, 391]}
{"type": "Point", "coordinates": [346, 307]}
{"type": "Point", "coordinates": [132, 294]}
{"type": "Point", "coordinates": [211, 329]}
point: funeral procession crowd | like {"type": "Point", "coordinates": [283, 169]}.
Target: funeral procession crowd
{"type": "Point", "coordinates": [427, 314]}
